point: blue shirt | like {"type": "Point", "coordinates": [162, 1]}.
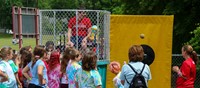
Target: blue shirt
{"type": "Point", "coordinates": [129, 73]}
{"type": "Point", "coordinates": [34, 72]}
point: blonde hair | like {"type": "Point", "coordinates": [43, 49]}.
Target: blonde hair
{"type": "Point", "coordinates": [5, 51]}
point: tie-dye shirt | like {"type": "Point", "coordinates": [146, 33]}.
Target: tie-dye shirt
{"type": "Point", "coordinates": [54, 77]}
{"type": "Point", "coordinates": [71, 71]}
{"type": "Point", "coordinates": [88, 79]}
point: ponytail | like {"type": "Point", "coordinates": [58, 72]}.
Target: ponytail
{"type": "Point", "coordinates": [66, 58]}
{"type": "Point", "coordinates": [38, 53]}
{"type": "Point", "coordinates": [194, 57]}
{"type": "Point", "coordinates": [34, 60]}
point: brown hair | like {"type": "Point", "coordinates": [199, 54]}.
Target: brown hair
{"type": "Point", "coordinates": [189, 51]}
{"type": "Point", "coordinates": [74, 54]}
{"type": "Point", "coordinates": [37, 53]}
{"type": "Point", "coordinates": [5, 51]}
{"type": "Point", "coordinates": [26, 48]}
{"type": "Point", "coordinates": [25, 58]}
{"type": "Point", "coordinates": [65, 59]}
{"type": "Point", "coordinates": [89, 61]}
{"type": "Point", "coordinates": [136, 53]}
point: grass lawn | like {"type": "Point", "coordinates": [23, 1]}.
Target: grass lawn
{"type": "Point", "coordinates": [6, 40]}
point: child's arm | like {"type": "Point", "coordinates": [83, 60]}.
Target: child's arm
{"type": "Point", "coordinates": [42, 81]}
{"type": "Point", "coordinates": [99, 86]}
{"type": "Point", "coordinates": [18, 81]}
{"type": "Point", "coordinates": [5, 76]}
{"type": "Point", "coordinates": [76, 83]}
{"type": "Point", "coordinates": [25, 72]}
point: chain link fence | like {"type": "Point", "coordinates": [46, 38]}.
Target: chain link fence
{"type": "Point", "coordinates": [54, 26]}
{"type": "Point", "coordinates": [177, 60]}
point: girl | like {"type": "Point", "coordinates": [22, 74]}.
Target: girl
{"type": "Point", "coordinates": [88, 76]}
{"type": "Point", "coordinates": [187, 72]}
{"type": "Point", "coordinates": [54, 70]}
{"type": "Point", "coordinates": [38, 70]}
{"type": "Point", "coordinates": [64, 63]}
{"type": "Point", "coordinates": [72, 67]}
{"type": "Point", "coordinates": [24, 58]}
{"type": "Point", "coordinates": [136, 55]}
{"type": "Point", "coordinates": [7, 77]}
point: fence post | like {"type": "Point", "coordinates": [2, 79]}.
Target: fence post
{"type": "Point", "coordinates": [13, 21]}
{"type": "Point", "coordinates": [36, 26]}
{"type": "Point", "coordinates": [20, 26]}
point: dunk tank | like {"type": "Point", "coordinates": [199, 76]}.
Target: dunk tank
{"type": "Point", "coordinates": [55, 24]}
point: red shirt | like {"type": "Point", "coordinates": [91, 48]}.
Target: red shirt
{"type": "Point", "coordinates": [188, 70]}
{"type": "Point", "coordinates": [83, 26]}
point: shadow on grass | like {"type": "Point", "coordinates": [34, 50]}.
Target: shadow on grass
{"type": "Point", "coordinates": [2, 35]}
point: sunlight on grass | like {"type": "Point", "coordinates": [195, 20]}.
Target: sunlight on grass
{"type": "Point", "coordinates": [6, 40]}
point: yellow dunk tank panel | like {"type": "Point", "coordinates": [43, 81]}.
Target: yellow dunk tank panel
{"type": "Point", "coordinates": [125, 31]}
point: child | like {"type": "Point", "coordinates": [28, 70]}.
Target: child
{"type": "Point", "coordinates": [73, 66]}
{"type": "Point", "coordinates": [7, 77]}
{"type": "Point", "coordinates": [15, 66]}
{"type": "Point", "coordinates": [114, 67]}
{"type": "Point", "coordinates": [38, 70]}
{"type": "Point", "coordinates": [54, 70]}
{"type": "Point", "coordinates": [64, 63]}
{"type": "Point", "coordinates": [24, 58]}
{"type": "Point", "coordinates": [88, 76]}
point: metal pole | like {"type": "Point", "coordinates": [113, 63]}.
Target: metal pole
{"type": "Point", "coordinates": [77, 29]}
{"type": "Point", "coordinates": [20, 27]}
{"type": "Point", "coordinates": [54, 26]}
{"type": "Point", "coordinates": [40, 12]}
{"type": "Point", "coordinates": [13, 22]}
{"type": "Point", "coordinates": [36, 26]}
{"type": "Point", "coordinates": [97, 34]}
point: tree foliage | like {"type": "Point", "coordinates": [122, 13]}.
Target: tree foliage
{"type": "Point", "coordinates": [195, 41]}
{"type": "Point", "coordinates": [186, 15]}
{"type": "Point", "coordinates": [6, 11]}
{"type": "Point", "coordinates": [186, 12]}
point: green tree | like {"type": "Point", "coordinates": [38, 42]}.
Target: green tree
{"type": "Point", "coordinates": [6, 12]}
{"type": "Point", "coordinates": [195, 40]}
{"type": "Point", "coordinates": [186, 15]}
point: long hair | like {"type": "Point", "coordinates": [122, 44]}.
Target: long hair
{"type": "Point", "coordinates": [189, 51]}
{"type": "Point", "coordinates": [26, 58]}
{"type": "Point", "coordinates": [54, 60]}
{"type": "Point", "coordinates": [89, 61]}
{"type": "Point", "coordinates": [66, 59]}
{"type": "Point", "coordinates": [5, 51]}
{"type": "Point", "coordinates": [37, 54]}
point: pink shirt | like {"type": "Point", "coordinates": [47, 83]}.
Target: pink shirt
{"type": "Point", "coordinates": [54, 77]}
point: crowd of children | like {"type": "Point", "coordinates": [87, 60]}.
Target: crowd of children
{"type": "Point", "coordinates": [44, 68]}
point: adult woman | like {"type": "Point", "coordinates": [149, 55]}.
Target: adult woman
{"type": "Point", "coordinates": [187, 71]}
{"type": "Point", "coordinates": [136, 55]}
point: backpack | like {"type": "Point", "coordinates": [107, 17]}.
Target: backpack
{"type": "Point", "coordinates": [138, 80]}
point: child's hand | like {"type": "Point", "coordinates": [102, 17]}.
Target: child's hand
{"type": "Point", "coordinates": [43, 81]}
{"type": "Point", "coordinates": [176, 69]}
{"type": "Point", "coordinates": [3, 79]}
{"type": "Point", "coordinates": [18, 60]}
{"type": "Point", "coordinates": [124, 62]}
